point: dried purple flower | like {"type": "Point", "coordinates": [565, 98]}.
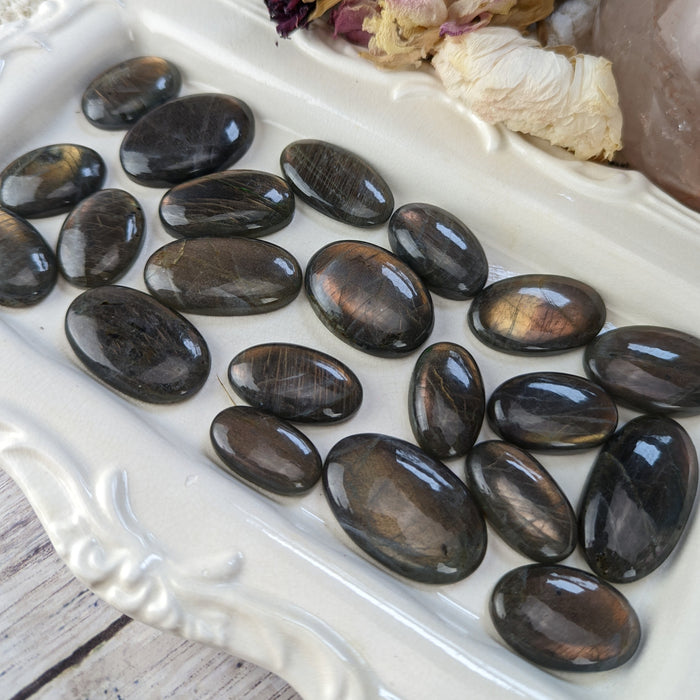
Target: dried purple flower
{"type": "Point", "coordinates": [289, 14]}
{"type": "Point", "coordinates": [348, 17]}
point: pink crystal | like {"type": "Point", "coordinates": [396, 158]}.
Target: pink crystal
{"type": "Point", "coordinates": [655, 49]}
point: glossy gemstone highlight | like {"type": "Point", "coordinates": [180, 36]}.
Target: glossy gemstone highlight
{"type": "Point", "coordinates": [223, 276]}
{"type": "Point", "coordinates": [101, 238]}
{"type": "Point", "coordinates": [337, 182]}
{"type": "Point", "coordinates": [369, 298]}
{"type": "Point", "coordinates": [638, 498]}
{"type": "Point", "coordinates": [541, 314]}
{"type": "Point", "coordinates": [296, 383]}
{"type": "Point", "coordinates": [564, 619]}
{"type": "Point", "coordinates": [265, 450]}
{"type": "Point", "coordinates": [245, 203]}
{"type": "Point", "coordinates": [27, 264]}
{"type": "Point", "coordinates": [136, 345]}
{"type": "Point", "coordinates": [405, 509]}
{"type": "Point", "coordinates": [51, 180]}
{"type": "Point", "coordinates": [122, 94]}
{"type": "Point", "coordinates": [186, 138]}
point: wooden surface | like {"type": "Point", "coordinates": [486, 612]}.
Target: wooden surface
{"type": "Point", "coordinates": [58, 640]}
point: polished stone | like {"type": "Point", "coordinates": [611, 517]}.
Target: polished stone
{"type": "Point", "coordinates": [27, 263]}
{"type": "Point", "coordinates": [337, 182]}
{"type": "Point", "coordinates": [265, 450]}
{"type": "Point", "coordinates": [446, 400]}
{"type": "Point", "coordinates": [649, 368]}
{"type": "Point", "coordinates": [101, 238]}
{"type": "Point", "coordinates": [405, 509]}
{"type": "Point", "coordinates": [552, 411]}
{"type": "Point", "coordinates": [246, 203]}
{"type": "Point", "coordinates": [51, 180]}
{"type": "Point", "coordinates": [136, 345]}
{"type": "Point", "coordinates": [223, 276]}
{"type": "Point", "coordinates": [638, 498]}
{"type": "Point", "coordinates": [522, 501]}
{"type": "Point", "coordinates": [537, 313]}
{"type": "Point", "coordinates": [564, 619]}
{"type": "Point", "coordinates": [440, 248]}
{"type": "Point", "coordinates": [187, 138]}
{"type": "Point", "coordinates": [295, 383]}
{"type": "Point", "coordinates": [123, 93]}
{"type": "Point", "coordinates": [369, 298]}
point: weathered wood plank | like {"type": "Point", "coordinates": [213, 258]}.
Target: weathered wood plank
{"type": "Point", "coordinates": [142, 662]}
{"type": "Point", "coordinates": [58, 640]}
{"type": "Point", "coordinates": [44, 611]}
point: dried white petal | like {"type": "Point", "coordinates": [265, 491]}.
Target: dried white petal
{"type": "Point", "coordinates": [505, 78]}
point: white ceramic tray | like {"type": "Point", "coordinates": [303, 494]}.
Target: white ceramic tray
{"type": "Point", "coordinates": [131, 495]}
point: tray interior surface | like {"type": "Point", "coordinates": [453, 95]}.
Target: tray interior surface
{"type": "Point", "coordinates": [132, 495]}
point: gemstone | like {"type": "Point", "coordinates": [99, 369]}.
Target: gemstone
{"type": "Point", "coordinates": [552, 411]}
{"type": "Point", "coordinates": [231, 203]}
{"type": "Point", "coordinates": [446, 400]}
{"type": "Point", "coordinates": [122, 94]}
{"type": "Point", "coordinates": [337, 182]}
{"type": "Point", "coordinates": [100, 238]}
{"type": "Point", "coordinates": [564, 619]}
{"type": "Point", "coordinates": [521, 500]}
{"type": "Point", "coordinates": [440, 248]}
{"type": "Point", "coordinates": [369, 298]}
{"type": "Point", "coordinates": [265, 450]}
{"type": "Point", "coordinates": [653, 46]}
{"type": "Point", "coordinates": [405, 509]}
{"type": "Point", "coordinates": [51, 180]}
{"type": "Point", "coordinates": [536, 314]}
{"type": "Point", "coordinates": [223, 276]}
{"type": "Point", "coordinates": [649, 368]}
{"type": "Point", "coordinates": [186, 138]}
{"type": "Point", "coordinates": [136, 345]}
{"type": "Point", "coordinates": [295, 383]}
{"type": "Point", "coordinates": [638, 498]}
{"type": "Point", "coordinates": [27, 263]}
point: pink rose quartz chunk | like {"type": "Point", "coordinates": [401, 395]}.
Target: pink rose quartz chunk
{"type": "Point", "coordinates": [655, 51]}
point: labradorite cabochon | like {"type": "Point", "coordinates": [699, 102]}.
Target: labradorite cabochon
{"type": "Point", "coordinates": [405, 509]}
{"type": "Point", "coordinates": [223, 276]}
{"type": "Point", "coordinates": [247, 203]}
{"type": "Point", "coordinates": [638, 498]}
{"type": "Point", "coordinates": [265, 450]}
{"type": "Point", "coordinates": [446, 400]}
{"type": "Point", "coordinates": [28, 267]}
{"type": "Point", "coordinates": [369, 298]}
{"type": "Point", "coordinates": [123, 93]}
{"type": "Point", "coordinates": [552, 411]}
{"type": "Point", "coordinates": [296, 383]}
{"type": "Point", "coordinates": [186, 138]}
{"type": "Point", "coordinates": [101, 238]}
{"type": "Point", "coordinates": [536, 314]}
{"type": "Point", "coordinates": [337, 182]}
{"type": "Point", "coordinates": [522, 501]}
{"type": "Point", "coordinates": [134, 344]}
{"type": "Point", "coordinates": [564, 619]}
{"type": "Point", "coordinates": [440, 248]}
{"type": "Point", "coordinates": [649, 368]}
{"type": "Point", "coordinates": [51, 180]}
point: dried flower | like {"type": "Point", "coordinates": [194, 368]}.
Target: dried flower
{"type": "Point", "coordinates": [405, 31]}
{"type": "Point", "coordinates": [348, 17]}
{"type": "Point", "coordinates": [467, 15]}
{"type": "Point", "coordinates": [505, 78]}
{"type": "Point", "coordinates": [289, 14]}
